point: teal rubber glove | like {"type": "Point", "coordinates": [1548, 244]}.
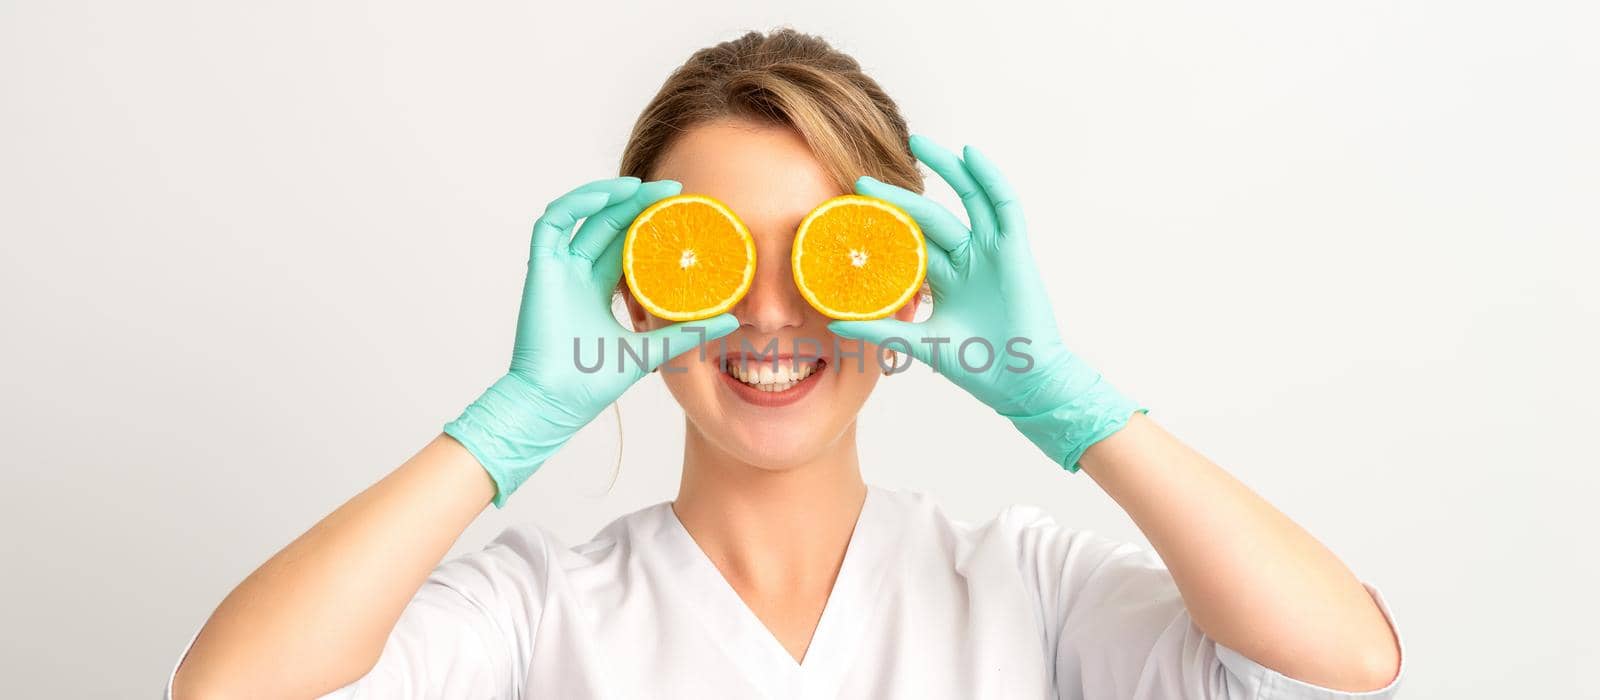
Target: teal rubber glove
{"type": "Point", "coordinates": [986, 286]}
{"type": "Point", "coordinates": [547, 395]}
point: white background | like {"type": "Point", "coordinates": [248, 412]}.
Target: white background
{"type": "Point", "coordinates": [255, 254]}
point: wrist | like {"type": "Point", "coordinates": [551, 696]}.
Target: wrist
{"type": "Point", "coordinates": [1079, 409]}
{"type": "Point", "coordinates": [456, 471]}
{"type": "Point", "coordinates": [511, 432]}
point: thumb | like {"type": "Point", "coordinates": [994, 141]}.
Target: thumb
{"type": "Point", "coordinates": [680, 338]}
{"type": "Point", "coordinates": [897, 334]}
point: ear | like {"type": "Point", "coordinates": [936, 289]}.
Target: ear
{"type": "Point", "coordinates": [909, 312]}
{"type": "Point", "coordinates": [638, 318]}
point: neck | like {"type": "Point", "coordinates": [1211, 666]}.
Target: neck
{"type": "Point", "coordinates": [771, 528]}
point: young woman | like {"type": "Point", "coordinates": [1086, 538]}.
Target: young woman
{"type": "Point", "coordinates": [777, 572]}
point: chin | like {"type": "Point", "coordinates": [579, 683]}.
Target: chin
{"type": "Point", "coordinates": [769, 450]}
{"type": "Point", "coordinates": [772, 416]}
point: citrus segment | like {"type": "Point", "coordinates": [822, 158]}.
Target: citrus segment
{"type": "Point", "coordinates": [688, 257]}
{"type": "Point", "coordinates": [857, 258]}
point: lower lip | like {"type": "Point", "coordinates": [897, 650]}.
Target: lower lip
{"type": "Point", "coordinates": [774, 399]}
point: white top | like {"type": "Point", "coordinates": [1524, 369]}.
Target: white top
{"type": "Point", "coordinates": [923, 607]}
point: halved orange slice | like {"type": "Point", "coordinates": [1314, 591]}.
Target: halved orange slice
{"type": "Point", "coordinates": [857, 258]}
{"type": "Point", "coordinates": [688, 257]}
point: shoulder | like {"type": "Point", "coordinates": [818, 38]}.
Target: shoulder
{"type": "Point", "coordinates": [920, 511]}
{"type": "Point", "coordinates": [1023, 535]}
{"type": "Point", "coordinates": [529, 555]}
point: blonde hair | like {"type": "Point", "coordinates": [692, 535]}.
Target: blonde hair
{"type": "Point", "coordinates": [782, 77]}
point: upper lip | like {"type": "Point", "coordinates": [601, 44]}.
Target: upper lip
{"type": "Point", "coordinates": [785, 358]}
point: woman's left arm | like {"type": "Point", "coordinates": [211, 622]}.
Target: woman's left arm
{"type": "Point", "coordinates": [1250, 577]}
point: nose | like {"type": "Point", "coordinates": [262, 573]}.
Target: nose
{"type": "Point", "coordinates": [773, 303]}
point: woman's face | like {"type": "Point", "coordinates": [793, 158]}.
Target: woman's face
{"type": "Point", "coordinates": [770, 179]}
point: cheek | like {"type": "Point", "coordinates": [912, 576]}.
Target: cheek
{"type": "Point", "coordinates": [854, 372]}
{"type": "Point", "coordinates": [690, 378]}
{"type": "Point", "coordinates": [858, 377]}
{"type": "Point", "coordinates": [859, 362]}
{"type": "Point", "coordinates": [854, 387]}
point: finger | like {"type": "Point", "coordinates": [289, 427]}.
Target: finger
{"type": "Point", "coordinates": [937, 223]}
{"type": "Point", "coordinates": [1006, 207]}
{"type": "Point", "coordinates": [941, 272]}
{"type": "Point", "coordinates": [892, 333]}
{"type": "Point", "coordinates": [980, 213]}
{"type": "Point", "coordinates": [599, 230]}
{"type": "Point", "coordinates": [608, 265]}
{"type": "Point", "coordinates": [551, 230]}
{"type": "Point", "coordinates": [680, 338]}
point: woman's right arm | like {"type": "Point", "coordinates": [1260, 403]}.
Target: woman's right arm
{"type": "Point", "coordinates": [316, 615]}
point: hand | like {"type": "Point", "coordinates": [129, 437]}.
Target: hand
{"type": "Point", "coordinates": [986, 290]}
{"type": "Point", "coordinates": [546, 396]}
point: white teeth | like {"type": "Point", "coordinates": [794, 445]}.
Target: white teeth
{"type": "Point", "coordinates": [765, 377]}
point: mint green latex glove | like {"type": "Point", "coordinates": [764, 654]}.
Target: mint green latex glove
{"type": "Point", "coordinates": [545, 397]}
{"type": "Point", "coordinates": [985, 285]}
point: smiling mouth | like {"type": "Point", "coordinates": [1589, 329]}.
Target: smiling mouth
{"type": "Point", "coordinates": [772, 377]}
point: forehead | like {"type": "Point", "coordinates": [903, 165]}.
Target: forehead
{"type": "Point", "coordinates": [766, 174]}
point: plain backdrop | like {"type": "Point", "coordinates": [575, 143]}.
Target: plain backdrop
{"type": "Point", "coordinates": [253, 255]}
